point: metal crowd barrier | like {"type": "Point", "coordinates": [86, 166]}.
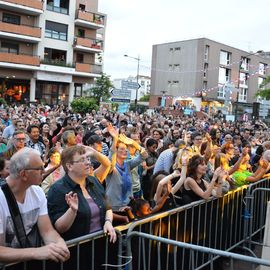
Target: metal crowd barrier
{"type": "Point", "coordinates": [177, 248]}
{"type": "Point", "coordinates": [257, 196]}
{"type": "Point", "coordinates": [222, 224]}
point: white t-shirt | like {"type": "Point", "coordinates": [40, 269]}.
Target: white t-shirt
{"type": "Point", "coordinates": [34, 205]}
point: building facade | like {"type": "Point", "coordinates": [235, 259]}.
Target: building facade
{"type": "Point", "coordinates": [200, 70]}
{"type": "Point", "coordinates": [51, 50]}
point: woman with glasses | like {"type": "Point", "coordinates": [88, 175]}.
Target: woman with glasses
{"type": "Point", "coordinates": [77, 202]}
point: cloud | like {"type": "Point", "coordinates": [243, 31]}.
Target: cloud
{"type": "Point", "coordinates": [133, 27]}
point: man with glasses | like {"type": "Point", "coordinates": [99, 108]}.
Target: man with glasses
{"type": "Point", "coordinates": [26, 168]}
{"type": "Point", "coordinates": [17, 143]}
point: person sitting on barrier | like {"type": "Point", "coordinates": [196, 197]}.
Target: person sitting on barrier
{"type": "Point", "coordinates": [195, 188]}
{"type": "Point", "coordinates": [77, 202]}
{"type": "Point", "coordinates": [21, 186]}
{"type": "Point", "coordinates": [245, 178]}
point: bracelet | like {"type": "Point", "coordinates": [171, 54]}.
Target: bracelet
{"type": "Point", "coordinates": [107, 219]}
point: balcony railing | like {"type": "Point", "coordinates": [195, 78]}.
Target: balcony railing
{"type": "Point", "coordinates": [89, 43]}
{"type": "Point", "coordinates": [36, 4]}
{"type": "Point", "coordinates": [90, 17]}
{"type": "Point", "coordinates": [57, 62]}
{"type": "Point", "coordinates": [88, 68]}
{"type": "Point", "coordinates": [21, 58]}
{"type": "Point", "coordinates": [20, 29]}
{"type": "Point", "coordinates": [57, 9]}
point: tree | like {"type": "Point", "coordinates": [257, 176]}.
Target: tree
{"type": "Point", "coordinates": [84, 105]}
{"type": "Point", "coordinates": [264, 93]}
{"type": "Point", "coordinates": [101, 89]}
{"type": "Point", "coordinates": [145, 98]}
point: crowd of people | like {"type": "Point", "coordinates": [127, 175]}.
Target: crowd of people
{"type": "Point", "coordinates": [72, 174]}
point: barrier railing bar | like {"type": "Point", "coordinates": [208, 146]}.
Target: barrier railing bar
{"type": "Point", "coordinates": [199, 248]}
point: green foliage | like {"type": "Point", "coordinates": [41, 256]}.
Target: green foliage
{"type": "Point", "coordinates": [84, 105]}
{"type": "Point", "coordinates": [145, 98]}
{"type": "Point", "coordinates": [264, 93]}
{"type": "Point", "coordinates": [140, 108]}
{"type": "Point", "coordinates": [101, 89]}
{"type": "Point", "coordinates": [115, 106]}
{"type": "Point", "coordinates": [2, 101]}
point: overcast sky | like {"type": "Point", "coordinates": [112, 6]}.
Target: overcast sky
{"type": "Point", "coordinates": [133, 26]}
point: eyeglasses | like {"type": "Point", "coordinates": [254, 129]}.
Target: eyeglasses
{"type": "Point", "coordinates": [20, 139]}
{"type": "Point", "coordinates": [41, 168]}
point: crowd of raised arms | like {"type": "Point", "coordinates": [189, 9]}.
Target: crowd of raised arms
{"type": "Point", "coordinates": [95, 171]}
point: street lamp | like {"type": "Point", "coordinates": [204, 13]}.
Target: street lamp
{"type": "Point", "coordinates": [238, 84]}
{"type": "Point", "coordinates": [138, 70]}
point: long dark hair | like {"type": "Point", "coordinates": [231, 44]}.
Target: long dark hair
{"type": "Point", "coordinates": [193, 164]}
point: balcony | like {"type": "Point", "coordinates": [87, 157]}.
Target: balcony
{"type": "Point", "coordinates": [88, 68]}
{"type": "Point", "coordinates": [89, 19]}
{"type": "Point", "coordinates": [20, 32]}
{"type": "Point", "coordinates": [56, 62]}
{"type": "Point", "coordinates": [88, 45]}
{"type": "Point", "coordinates": [31, 7]}
{"type": "Point", "coordinates": [22, 59]}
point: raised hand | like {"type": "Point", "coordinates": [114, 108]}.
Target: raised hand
{"type": "Point", "coordinates": [123, 138]}
{"type": "Point", "coordinates": [72, 201]}
{"type": "Point", "coordinates": [113, 131]}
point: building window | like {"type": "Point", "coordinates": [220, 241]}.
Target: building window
{"type": "Point", "coordinates": [224, 75]}
{"type": "Point", "coordinates": [205, 70]}
{"type": "Point", "coordinates": [142, 83]}
{"type": "Point", "coordinates": [221, 92]}
{"type": "Point", "coordinates": [206, 53]}
{"type": "Point", "coordinates": [9, 47]}
{"type": "Point", "coordinates": [204, 85]}
{"type": "Point", "coordinates": [260, 82]}
{"type": "Point", "coordinates": [56, 30]}
{"type": "Point", "coordinates": [225, 58]}
{"type": "Point", "coordinates": [262, 69]}
{"type": "Point", "coordinates": [52, 93]}
{"type": "Point", "coordinates": [243, 94]}
{"type": "Point", "coordinates": [171, 49]}
{"type": "Point", "coordinates": [243, 79]}
{"type": "Point", "coordinates": [176, 67]}
{"type": "Point", "coordinates": [78, 91]}
{"type": "Point", "coordinates": [54, 57]}
{"type": "Point", "coordinates": [244, 64]}
{"type": "Point", "coordinates": [82, 7]}
{"type": "Point", "coordinates": [81, 33]}
{"type": "Point", "coordinates": [177, 48]}
{"type": "Point", "coordinates": [11, 18]}
{"type": "Point", "coordinates": [60, 6]}
{"type": "Point", "coordinates": [79, 57]}
{"type": "Point", "coordinates": [170, 67]}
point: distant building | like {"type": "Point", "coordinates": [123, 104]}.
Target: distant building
{"type": "Point", "coordinates": [50, 51]}
{"type": "Point", "coordinates": [198, 71]}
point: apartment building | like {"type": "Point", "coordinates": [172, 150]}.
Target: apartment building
{"type": "Point", "coordinates": [197, 72]}
{"type": "Point", "coordinates": [51, 50]}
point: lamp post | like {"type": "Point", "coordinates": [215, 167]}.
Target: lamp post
{"type": "Point", "coordinates": [238, 84]}
{"type": "Point", "coordinates": [138, 70]}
